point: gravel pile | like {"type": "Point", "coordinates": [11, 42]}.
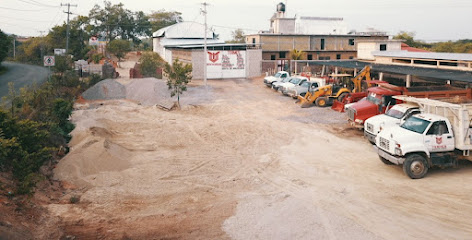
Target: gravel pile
{"type": "Point", "coordinates": [149, 91]}
{"type": "Point", "coordinates": [105, 90]}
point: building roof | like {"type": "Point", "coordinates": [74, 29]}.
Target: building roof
{"type": "Point", "coordinates": [425, 55]}
{"type": "Point", "coordinates": [406, 47]}
{"type": "Point", "coordinates": [186, 30]}
{"type": "Point", "coordinates": [454, 75]}
{"type": "Point", "coordinates": [222, 46]}
{"type": "Point", "coordinates": [170, 42]}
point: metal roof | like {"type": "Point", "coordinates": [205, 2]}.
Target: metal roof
{"type": "Point", "coordinates": [211, 45]}
{"type": "Point", "coordinates": [183, 30]}
{"type": "Point", "coordinates": [425, 55]}
{"type": "Point", "coordinates": [454, 75]}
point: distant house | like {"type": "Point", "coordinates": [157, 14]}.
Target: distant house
{"type": "Point", "coordinates": [184, 33]}
{"type": "Point", "coordinates": [320, 38]}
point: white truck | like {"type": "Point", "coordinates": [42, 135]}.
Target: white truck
{"type": "Point", "coordinates": [279, 76]}
{"type": "Point", "coordinates": [396, 115]}
{"type": "Point", "coordinates": [439, 136]}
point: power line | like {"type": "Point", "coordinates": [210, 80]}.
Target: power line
{"type": "Point", "coordinates": [19, 19]}
{"type": "Point", "coordinates": [24, 10]}
{"type": "Point", "coordinates": [33, 2]}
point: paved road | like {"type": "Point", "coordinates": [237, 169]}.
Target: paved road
{"type": "Point", "coordinates": [21, 75]}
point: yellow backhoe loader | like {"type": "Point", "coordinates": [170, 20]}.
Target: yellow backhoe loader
{"type": "Point", "coordinates": [324, 96]}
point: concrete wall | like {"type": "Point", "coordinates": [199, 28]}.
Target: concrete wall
{"type": "Point", "coordinates": [365, 49]}
{"type": "Point", "coordinates": [253, 62]}
{"type": "Point", "coordinates": [284, 25]}
{"type": "Point", "coordinates": [197, 64]}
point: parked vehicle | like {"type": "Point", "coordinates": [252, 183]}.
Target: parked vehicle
{"type": "Point", "coordinates": [326, 95]}
{"type": "Point", "coordinates": [380, 98]}
{"type": "Point", "coordinates": [301, 90]}
{"type": "Point", "coordinates": [277, 84]}
{"type": "Point", "coordinates": [294, 81]}
{"type": "Point", "coordinates": [441, 136]}
{"type": "Point", "coordinates": [279, 76]}
{"type": "Point", "coordinates": [393, 117]}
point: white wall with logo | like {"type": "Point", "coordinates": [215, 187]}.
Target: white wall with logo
{"type": "Point", "coordinates": [226, 64]}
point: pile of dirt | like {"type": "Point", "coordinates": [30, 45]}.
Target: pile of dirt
{"type": "Point", "coordinates": [105, 90]}
{"type": "Point", "coordinates": [149, 91]}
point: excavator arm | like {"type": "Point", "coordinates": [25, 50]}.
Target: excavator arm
{"type": "Point", "coordinates": [357, 80]}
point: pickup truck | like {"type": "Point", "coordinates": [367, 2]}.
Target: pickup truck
{"type": "Point", "coordinates": [294, 81]}
{"type": "Point", "coordinates": [380, 98]}
{"type": "Point", "coordinates": [301, 90]}
{"type": "Point", "coordinates": [439, 136]}
{"type": "Point", "coordinates": [396, 115]}
{"type": "Point", "coordinates": [279, 76]}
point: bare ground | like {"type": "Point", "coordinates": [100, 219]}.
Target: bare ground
{"type": "Point", "coordinates": [245, 163]}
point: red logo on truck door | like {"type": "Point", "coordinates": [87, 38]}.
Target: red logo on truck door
{"type": "Point", "coordinates": [438, 140]}
{"type": "Point", "coordinates": [213, 57]}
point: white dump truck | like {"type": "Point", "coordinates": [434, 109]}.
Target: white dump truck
{"type": "Point", "coordinates": [439, 136]}
{"type": "Point", "coordinates": [396, 115]}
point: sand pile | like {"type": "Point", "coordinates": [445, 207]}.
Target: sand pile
{"type": "Point", "coordinates": [92, 155]}
{"type": "Point", "coordinates": [105, 90]}
{"type": "Point", "coordinates": [149, 91]}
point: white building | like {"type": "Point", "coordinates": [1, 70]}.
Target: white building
{"type": "Point", "coordinates": [184, 33]}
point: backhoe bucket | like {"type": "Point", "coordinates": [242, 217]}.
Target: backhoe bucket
{"type": "Point", "coordinates": [338, 106]}
{"type": "Point", "coordinates": [304, 103]}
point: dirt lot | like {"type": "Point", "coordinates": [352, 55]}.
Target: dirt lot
{"type": "Point", "coordinates": [239, 161]}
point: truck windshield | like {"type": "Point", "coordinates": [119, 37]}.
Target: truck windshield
{"type": "Point", "coordinates": [395, 113]}
{"type": "Point", "coordinates": [277, 75]}
{"type": "Point", "coordinates": [374, 98]}
{"type": "Point", "coordinates": [305, 84]}
{"type": "Point", "coordinates": [295, 80]}
{"type": "Point", "coordinates": [285, 79]}
{"type": "Point", "coordinates": [415, 124]}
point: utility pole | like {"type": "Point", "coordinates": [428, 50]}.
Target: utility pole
{"type": "Point", "coordinates": [14, 46]}
{"type": "Point", "coordinates": [42, 45]}
{"type": "Point", "coordinates": [204, 11]}
{"type": "Point", "coordinates": [67, 32]}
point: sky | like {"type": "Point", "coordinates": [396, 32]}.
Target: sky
{"type": "Point", "coordinates": [430, 20]}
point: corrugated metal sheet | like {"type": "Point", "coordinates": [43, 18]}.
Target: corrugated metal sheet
{"type": "Point", "coordinates": [454, 75]}
{"type": "Point", "coordinates": [425, 55]}
{"type": "Point", "coordinates": [183, 30]}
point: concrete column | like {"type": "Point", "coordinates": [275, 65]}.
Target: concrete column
{"type": "Point", "coordinates": [336, 72]}
{"type": "Point", "coordinates": [296, 65]}
{"type": "Point", "coordinates": [408, 80]}
{"type": "Point", "coordinates": [448, 82]}
{"type": "Point", "coordinates": [381, 76]}
{"type": "Point", "coordinates": [355, 72]}
{"type": "Point", "coordinates": [323, 70]}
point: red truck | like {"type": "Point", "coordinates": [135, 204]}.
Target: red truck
{"type": "Point", "coordinates": [380, 98]}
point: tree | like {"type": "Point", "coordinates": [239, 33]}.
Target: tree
{"type": "Point", "coordinates": [296, 54]}
{"type": "Point", "coordinates": [238, 36]}
{"type": "Point", "coordinates": [5, 43]}
{"type": "Point", "coordinates": [178, 76]}
{"type": "Point", "coordinates": [162, 19]}
{"type": "Point", "coordinates": [78, 35]}
{"type": "Point", "coordinates": [149, 62]}
{"type": "Point", "coordinates": [410, 41]}
{"type": "Point", "coordinates": [115, 21]}
{"type": "Point", "coordinates": [119, 48]}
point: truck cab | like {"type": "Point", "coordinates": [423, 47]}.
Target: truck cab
{"type": "Point", "coordinates": [395, 116]}
{"type": "Point", "coordinates": [422, 141]}
{"type": "Point", "coordinates": [279, 76]}
{"type": "Point", "coordinates": [377, 101]}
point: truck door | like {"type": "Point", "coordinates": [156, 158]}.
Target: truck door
{"type": "Point", "coordinates": [439, 138]}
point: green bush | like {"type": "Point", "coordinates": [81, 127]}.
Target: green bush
{"type": "Point", "coordinates": [149, 62]}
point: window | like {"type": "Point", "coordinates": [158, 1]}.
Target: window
{"type": "Point", "coordinates": [383, 47]}
{"type": "Point", "coordinates": [324, 58]}
{"type": "Point", "coordinates": [351, 57]}
{"type": "Point", "coordinates": [322, 42]}
{"type": "Point", "coordinates": [272, 57]}
{"type": "Point", "coordinates": [310, 57]}
{"type": "Point", "coordinates": [351, 42]}
{"type": "Point", "coordinates": [254, 42]}
{"type": "Point", "coordinates": [438, 128]}
{"type": "Point", "coordinates": [281, 54]}
{"type": "Point", "coordinates": [338, 56]}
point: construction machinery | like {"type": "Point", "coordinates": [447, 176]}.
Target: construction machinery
{"type": "Point", "coordinates": [324, 96]}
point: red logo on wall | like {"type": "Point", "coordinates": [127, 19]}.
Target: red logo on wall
{"type": "Point", "coordinates": [438, 140]}
{"type": "Point", "coordinates": [213, 57]}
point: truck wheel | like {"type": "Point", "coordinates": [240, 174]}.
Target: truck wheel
{"type": "Point", "coordinates": [415, 166]}
{"type": "Point", "coordinates": [385, 161]}
{"type": "Point", "coordinates": [321, 102]}
{"type": "Point", "coordinates": [342, 96]}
